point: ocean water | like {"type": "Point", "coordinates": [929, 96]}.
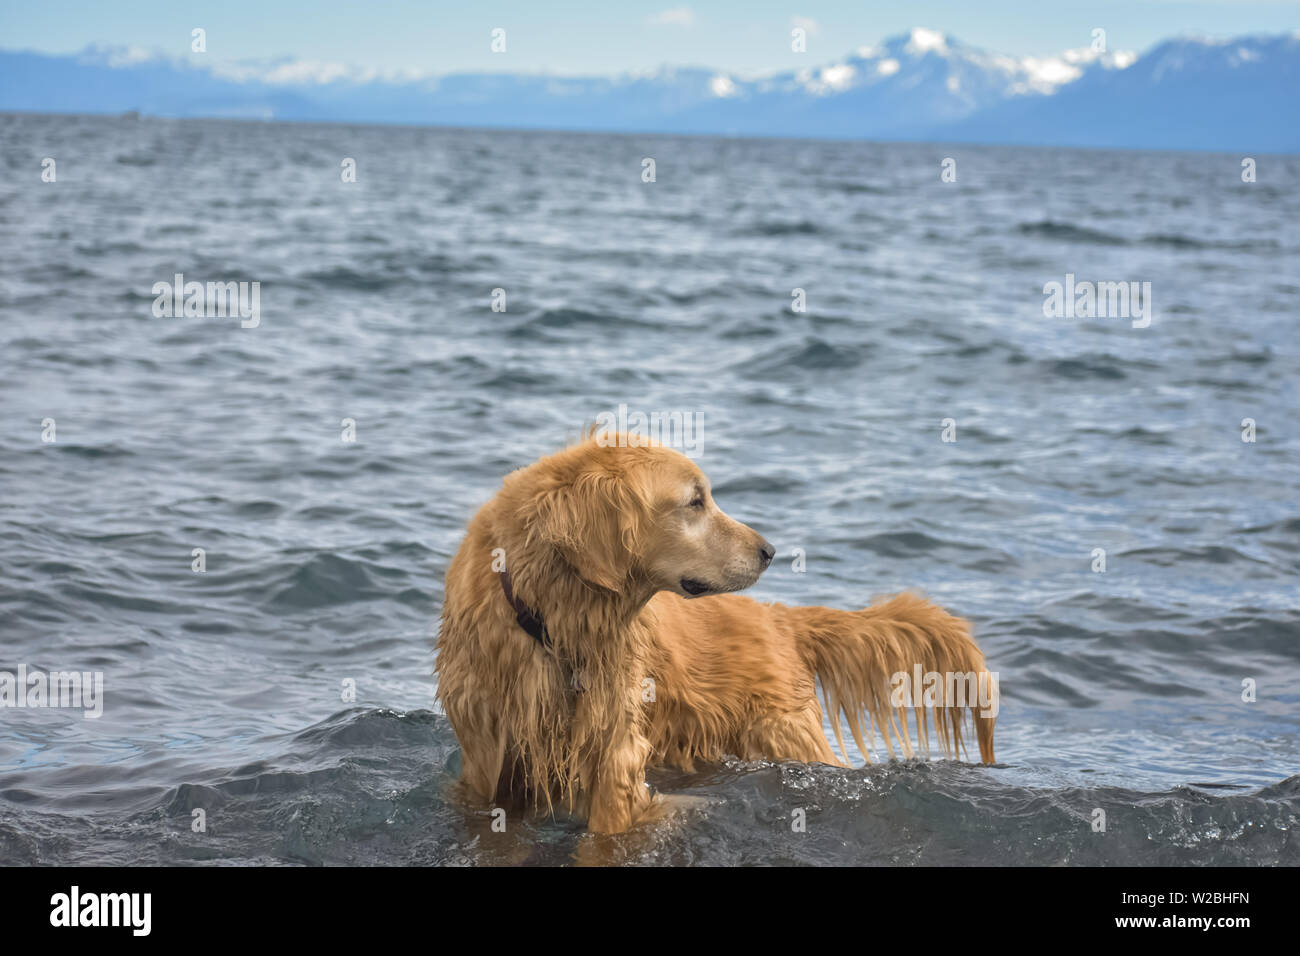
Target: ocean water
{"type": "Point", "coordinates": [226, 691]}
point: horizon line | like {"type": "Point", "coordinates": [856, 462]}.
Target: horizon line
{"type": "Point", "coordinates": [136, 116]}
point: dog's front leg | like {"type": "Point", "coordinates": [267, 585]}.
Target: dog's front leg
{"type": "Point", "coordinates": [618, 796]}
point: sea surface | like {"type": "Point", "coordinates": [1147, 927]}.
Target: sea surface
{"type": "Point", "coordinates": [286, 691]}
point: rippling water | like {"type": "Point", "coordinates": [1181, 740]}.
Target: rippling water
{"type": "Point", "coordinates": [324, 559]}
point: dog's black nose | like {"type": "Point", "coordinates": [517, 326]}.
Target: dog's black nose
{"type": "Point", "coordinates": [766, 553]}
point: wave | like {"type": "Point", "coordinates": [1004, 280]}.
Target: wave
{"type": "Point", "coordinates": [1052, 229]}
{"type": "Point", "coordinates": [1070, 232]}
{"type": "Point", "coordinates": [374, 787]}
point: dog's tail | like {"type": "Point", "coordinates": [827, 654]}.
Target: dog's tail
{"type": "Point", "coordinates": [900, 654]}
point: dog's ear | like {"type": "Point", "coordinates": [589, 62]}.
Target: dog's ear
{"type": "Point", "coordinates": [594, 523]}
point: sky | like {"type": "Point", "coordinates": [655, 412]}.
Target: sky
{"type": "Point", "coordinates": [744, 37]}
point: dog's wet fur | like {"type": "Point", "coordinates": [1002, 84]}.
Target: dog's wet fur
{"type": "Point", "coordinates": [652, 660]}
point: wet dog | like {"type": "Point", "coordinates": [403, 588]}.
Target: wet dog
{"type": "Point", "coordinates": [590, 630]}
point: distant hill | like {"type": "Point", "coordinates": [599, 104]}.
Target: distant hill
{"type": "Point", "coordinates": [1234, 95]}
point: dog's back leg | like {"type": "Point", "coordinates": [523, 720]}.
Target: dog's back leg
{"type": "Point", "coordinates": [789, 736]}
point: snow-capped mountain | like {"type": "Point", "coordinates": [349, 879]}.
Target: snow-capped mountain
{"type": "Point", "coordinates": [1239, 94]}
{"type": "Point", "coordinates": [911, 86]}
{"type": "Point", "coordinates": [960, 78]}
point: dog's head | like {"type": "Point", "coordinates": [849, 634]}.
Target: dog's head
{"type": "Point", "coordinates": [626, 516]}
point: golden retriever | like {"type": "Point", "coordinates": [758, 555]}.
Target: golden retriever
{"type": "Point", "coordinates": [589, 631]}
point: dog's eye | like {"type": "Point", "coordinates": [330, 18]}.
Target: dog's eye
{"type": "Point", "coordinates": [698, 502]}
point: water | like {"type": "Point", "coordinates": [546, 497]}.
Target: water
{"type": "Point", "coordinates": [224, 690]}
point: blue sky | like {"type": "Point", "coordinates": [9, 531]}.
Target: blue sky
{"type": "Point", "coordinates": [564, 36]}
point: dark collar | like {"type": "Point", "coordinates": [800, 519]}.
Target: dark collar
{"type": "Point", "coordinates": [528, 619]}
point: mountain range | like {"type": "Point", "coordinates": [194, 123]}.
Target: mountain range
{"type": "Point", "coordinates": [1238, 95]}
